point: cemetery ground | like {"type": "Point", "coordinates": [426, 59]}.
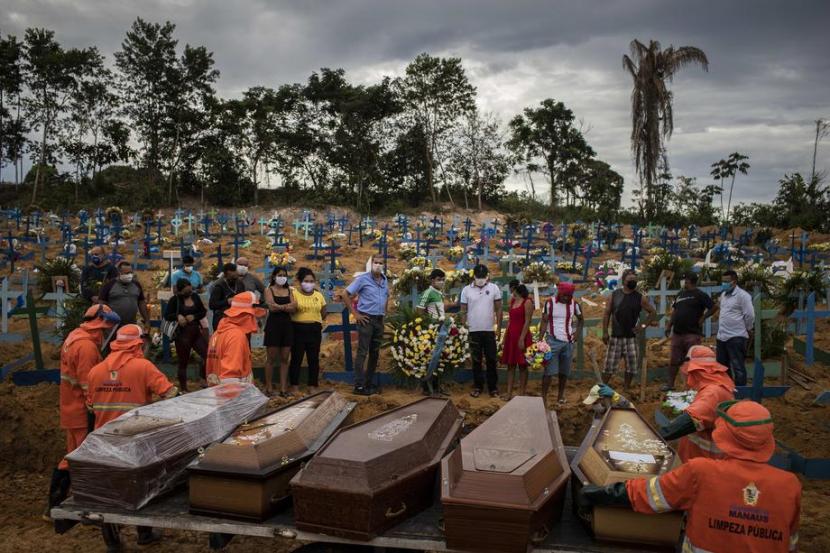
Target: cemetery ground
{"type": "Point", "coordinates": [31, 442]}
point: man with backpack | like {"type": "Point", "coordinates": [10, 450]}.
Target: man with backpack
{"type": "Point", "coordinates": [623, 310]}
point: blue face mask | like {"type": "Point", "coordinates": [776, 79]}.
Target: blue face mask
{"type": "Point", "coordinates": [96, 259]}
{"type": "Point", "coordinates": [726, 286]}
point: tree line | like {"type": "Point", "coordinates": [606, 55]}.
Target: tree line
{"type": "Point", "coordinates": [149, 128]}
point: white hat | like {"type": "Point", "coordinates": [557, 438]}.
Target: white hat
{"type": "Point", "coordinates": [593, 395]}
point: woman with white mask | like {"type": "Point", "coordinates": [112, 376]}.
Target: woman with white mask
{"type": "Point", "coordinates": [279, 330]}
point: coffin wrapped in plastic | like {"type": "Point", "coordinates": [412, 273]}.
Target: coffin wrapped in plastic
{"type": "Point", "coordinates": [376, 473]}
{"type": "Point", "coordinates": [144, 453]}
{"type": "Point", "coordinates": [247, 475]}
{"type": "Point", "coordinates": [622, 446]}
{"type": "Point", "coordinates": [509, 476]}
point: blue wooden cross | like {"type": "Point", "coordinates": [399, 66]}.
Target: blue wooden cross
{"type": "Point", "coordinates": [159, 226]}
{"type": "Point", "coordinates": [333, 255]}
{"type": "Point", "coordinates": [589, 254]}
{"type": "Point", "coordinates": [317, 244]}
{"type": "Point", "coordinates": [330, 222]}
{"type": "Point", "coordinates": [809, 315]}
{"type": "Point", "coordinates": [223, 220]}
{"type": "Point", "coordinates": [206, 222]}
{"type": "Point", "coordinates": [218, 256]}
{"type": "Point", "coordinates": [529, 237]}
{"type": "Point", "coordinates": [17, 213]}
{"type": "Point", "coordinates": [468, 224]}
{"type": "Point", "coordinates": [452, 234]}
{"type": "Point", "coordinates": [342, 222]}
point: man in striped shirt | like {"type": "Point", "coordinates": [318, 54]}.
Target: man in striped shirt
{"type": "Point", "coordinates": [562, 322]}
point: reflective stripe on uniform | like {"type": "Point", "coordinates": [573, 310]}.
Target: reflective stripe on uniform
{"type": "Point", "coordinates": [115, 406]}
{"type": "Point", "coordinates": [233, 380]}
{"type": "Point", "coordinates": [794, 542]}
{"type": "Point", "coordinates": [689, 548]}
{"type": "Point", "coordinates": [69, 379]}
{"type": "Point", "coordinates": [704, 444]}
{"type": "Point", "coordinates": [656, 499]}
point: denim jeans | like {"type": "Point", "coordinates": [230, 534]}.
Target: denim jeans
{"type": "Point", "coordinates": [732, 354]}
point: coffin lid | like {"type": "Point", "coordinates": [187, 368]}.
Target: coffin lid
{"type": "Point", "coordinates": [621, 446]}
{"type": "Point", "coordinates": [515, 457]}
{"type": "Point", "coordinates": [373, 453]}
{"type": "Point", "coordinates": [277, 438]}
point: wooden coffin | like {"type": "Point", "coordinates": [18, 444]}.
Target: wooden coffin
{"type": "Point", "coordinates": [621, 446]}
{"type": "Point", "coordinates": [509, 476]}
{"type": "Point", "coordinates": [374, 474]}
{"type": "Point", "coordinates": [145, 452]}
{"type": "Point", "coordinates": [248, 474]}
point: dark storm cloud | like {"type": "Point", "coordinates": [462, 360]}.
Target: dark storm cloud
{"type": "Point", "coordinates": [769, 72]}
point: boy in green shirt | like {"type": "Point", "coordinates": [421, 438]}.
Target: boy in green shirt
{"type": "Point", "coordinates": [432, 302]}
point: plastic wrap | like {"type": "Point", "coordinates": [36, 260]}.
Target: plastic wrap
{"type": "Point", "coordinates": [143, 453]}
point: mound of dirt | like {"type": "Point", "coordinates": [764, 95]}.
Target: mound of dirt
{"type": "Point", "coordinates": [30, 439]}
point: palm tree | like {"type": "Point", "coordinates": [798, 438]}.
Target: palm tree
{"type": "Point", "coordinates": [652, 121]}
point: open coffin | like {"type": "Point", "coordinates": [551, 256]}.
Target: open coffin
{"type": "Point", "coordinates": [248, 474]}
{"type": "Point", "coordinates": [621, 446]}
{"type": "Point", "coordinates": [373, 474]}
{"type": "Point", "coordinates": [509, 476]}
{"type": "Point", "coordinates": [144, 453]}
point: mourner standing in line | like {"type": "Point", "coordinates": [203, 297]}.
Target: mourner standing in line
{"type": "Point", "coordinates": [279, 330]}
{"type": "Point", "coordinates": [372, 292]}
{"type": "Point", "coordinates": [307, 320]}
{"type": "Point", "coordinates": [561, 324]}
{"type": "Point", "coordinates": [622, 310]}
{"type": "Point", "coordinates": [81, 350]}
{"type": "Point", "coordinates": [517, 338]}
{"type": "Point", "coordinates": [189, 273]}
{"type": "Point", "coordinates": [123, 381]}
{"type": "Point", "coordinates": [738, 503]}
{"type": "Point", "coordinates": [95, 275]}
{"type": "Point", "coordinates": [187, 309]}
{"type": "Point", "coordinates": [222, 290]}
{"type": "Point", "coordinates": [229, 350]}
{"type": "Point", "coordinates": [432, 303]}
{"type": "Point", "coordinates": [736, 320]}
{"type": "Point", "coordinates": [250, 281]}
{"type": "Point", "coordinates": [481, 310]}
{"type": "Point", "coordinates": [691, 307]}
{"type": "Point", "coordinates": [125, 296]}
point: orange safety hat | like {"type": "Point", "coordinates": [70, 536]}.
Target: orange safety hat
{"type": "Point", "coordinates": [702, 368]}
{"type": "Point", "coordinates": [100, 317]}
{"type": "Point", "coordinates": [743, 430]}
{"type": "Point", "coordinates": [244, 303]}
{"type": "Point", "coordinates": [128, 337]}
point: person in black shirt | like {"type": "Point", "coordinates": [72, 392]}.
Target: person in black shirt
{"type": "Point", "coordinates": [623, 310]}
{"type": "Point", "coordinates": [690, 309]}
{"type": "Point", "coordinates": [99, 272]}
{"type": "Point", "coordinates": [187, 308]}
{"type": "Point", "coordinates": [221, 292]}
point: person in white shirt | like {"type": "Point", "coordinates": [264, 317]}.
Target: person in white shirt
{"type": "Point", "coordinates": [481, 310]}
{"type": "Point", "coordinates": [562, 322]}
{"type": "Point", "coordinates": [736, 320]}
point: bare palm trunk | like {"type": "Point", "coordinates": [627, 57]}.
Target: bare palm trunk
{"type": "Point", "coordinates": [429, 159]}
{"type": "Point", "coordinates": [1, 137]}
{"type": "Point", "coordinates": [532, 185]}
{"type": "Point", "coordinates": [729, 204]}
{"type": "Point", "coordinates": [42, 161]}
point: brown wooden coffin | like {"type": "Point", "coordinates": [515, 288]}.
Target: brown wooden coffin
{"type": "Point", "coordinates": [509, 476]}
{"type": "Point", "coordinates": [247, 475]}
{"type": "Point", "coordinates": [622, 446]}
{"type": "Point", "coordinates": [374, 474]}
{"type": "Point", "coordinates": [144, 453]}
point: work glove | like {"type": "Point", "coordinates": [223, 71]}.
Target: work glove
{"type": "Point", "coordinates": [610, 495]}
{"type": "Point", "coordinates": [678, 427]}
{"type": "Point", "coordinates": [606, 391]}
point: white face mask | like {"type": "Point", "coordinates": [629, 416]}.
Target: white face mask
{"type": "Point", "coordinates": [307, 286]}
{"type": "Point", "coordinates": [377, 268]}
{"type": "Point", "coordinates": [480, 282]}
{"type": "Point", "coordinates": [188, 268]}
{"type": "Point", "coordinates": [281, 280]}
{"type": "Point", "coordinates": [126, 278]}
{"type": "Point", "coordinates": [242, 270]}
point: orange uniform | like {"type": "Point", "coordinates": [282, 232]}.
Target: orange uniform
{"type": "Point", "coordinates": [739, 503]}
{"type": "Point", "coordinates": [80, 352]}
{"type": "Point", "coordinates": [714, 386]}
{"type": "Point", "coordinates": [229, 353]}
{"type": "Point", "coordinates": [730, 504]}
{"type": "Point", "coordinates": [125, 380]}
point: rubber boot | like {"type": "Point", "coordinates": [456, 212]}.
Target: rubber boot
{"type": "Point", "coordinates": [58, 490]}
{"type": "Point", "coordinates": [112, 538]}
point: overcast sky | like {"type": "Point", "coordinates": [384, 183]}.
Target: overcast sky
{"type": "Point", "coordinates": [768, 80]}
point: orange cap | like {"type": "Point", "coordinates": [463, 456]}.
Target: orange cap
{"type": "Point", "coordinates": [129, 336]}
{"type": "Point", "coordinates": [744, 430]}
{"type": "Point", "coordinates": [244, 302]}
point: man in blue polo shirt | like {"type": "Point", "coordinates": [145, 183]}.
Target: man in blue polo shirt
{"type": "Point", "coordinates": [188, 273]}
{"type": "Point", "coordinates": [372, 291]}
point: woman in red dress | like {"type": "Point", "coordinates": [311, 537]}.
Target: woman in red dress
{"type": "Point", "coordinates": [517, 338]}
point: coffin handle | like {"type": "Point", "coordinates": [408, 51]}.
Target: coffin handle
{"type": "Point", "coordinates": [399, 512]}
{"type": "Point", "coordinates": [540, 535]}
{"type": "Point", "coordinates": [277, 499]}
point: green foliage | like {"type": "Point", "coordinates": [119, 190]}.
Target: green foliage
{"type": "Point", "coordinates": [774, 339]}
{"type": "Point", "coordinates": [800, 283]}
{"type": "Point", "coordinates": [751, 276]}
{"type": "Point", "coordinates": [58, 266]}
{"type": "Point", "coordinates": [665, 261]}
{"type": "Point", "coordinates": [73, 315]}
